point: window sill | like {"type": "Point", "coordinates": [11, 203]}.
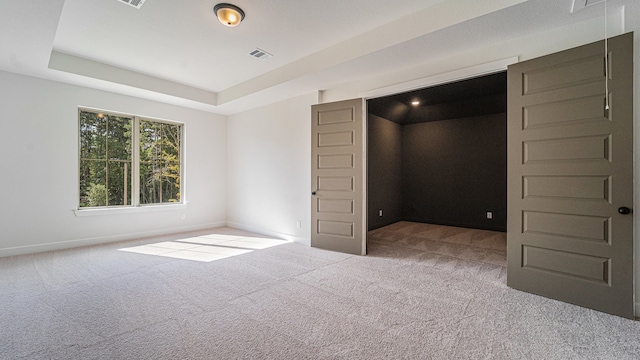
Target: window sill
{"type": "Point", "coordinates": [129, 210]}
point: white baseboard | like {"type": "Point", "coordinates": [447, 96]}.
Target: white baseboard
{"type": "Point", "coordinates": [274, 234]}
{"type": "Point", "coordinates": [60, 245]}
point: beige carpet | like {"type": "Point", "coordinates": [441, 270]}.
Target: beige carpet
{"type": "Point", "coordinates": [424, 292]}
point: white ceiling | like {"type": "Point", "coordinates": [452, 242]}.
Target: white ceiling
{"type": "Point", "coordinates": [177, 52]}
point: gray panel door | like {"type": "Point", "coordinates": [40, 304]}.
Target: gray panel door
{"type": "Point", "coordinates": [570, 175]}
{"type": "Point", "coordinates": [337, 179]}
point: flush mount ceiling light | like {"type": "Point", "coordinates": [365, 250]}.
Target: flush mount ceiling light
{"type": "Point", "coordinates": [228, 14]}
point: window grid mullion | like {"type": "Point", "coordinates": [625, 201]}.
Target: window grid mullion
{"type": "Point", "coordinates": [106, 164]}
{"type": "Point", "coordinates": [135, 171]}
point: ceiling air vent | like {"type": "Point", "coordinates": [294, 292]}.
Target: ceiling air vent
{"type": "Point", "coordinates": [135, 3]}
{"type": "Point", "coordinates": [260, 54]}
{"type": "Point", "coordinates": [581, 4]}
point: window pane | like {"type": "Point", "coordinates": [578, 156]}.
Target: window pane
{"type": "Point", "coordinates": [171, 178]}
{"type": "Point", "coordinates": [159, 183]}
{"type": "Point", "coordinates": [171, 143]}
{"type": "Point", "coordinates": [93, 135]}
{"type": "Point", "coordinates": [119, 138]}
{"type": "Point", "coordinates": [93, 189]}
{"type": "Point", "coordinates": [150, 185]}
{"type": "Point", "coordinates": [159, 162]}
{"type": "Point", "coordinates": [119, 183]}
{"type": "Point", "coordinates": [105, 142]}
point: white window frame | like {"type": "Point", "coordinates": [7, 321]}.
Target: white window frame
{"type": "Point", "coordinates": [134, 197]}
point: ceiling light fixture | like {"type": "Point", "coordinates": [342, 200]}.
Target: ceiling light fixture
{"type": "Point", "coordinates": [228, 14]}
{"type": "Point", "coordinates": [415, 103]}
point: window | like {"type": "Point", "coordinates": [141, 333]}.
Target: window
{"type": "Point", "coordinates": [127, 160]}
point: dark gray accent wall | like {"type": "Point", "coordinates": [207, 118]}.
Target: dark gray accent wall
{"type": "Point", "coordinates": [452, 155]}
{"type": "Point", "coordinates": [454, 171]}
{"type": "Point", "coordinates": [385, 173]}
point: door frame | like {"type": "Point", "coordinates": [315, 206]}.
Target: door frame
{"type": "Point", "coordinates": [444, 78]}
{"type": "Point", "coordinates": [430, 81]}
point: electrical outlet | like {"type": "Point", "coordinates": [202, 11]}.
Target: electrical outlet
{"type": "Point", "coordinates": [183, 216]}
{"type": "Point", "coordinates": [298, 224]}
{"type": "Point", "coordinates": [489, 215]}
{"type": "Point", "coordinates": [380, 212]}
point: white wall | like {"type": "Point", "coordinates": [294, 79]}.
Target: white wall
{"type": "Point", "coordinates": [39, 176]}
{"type": "Point", "coordinates": [269, 169]}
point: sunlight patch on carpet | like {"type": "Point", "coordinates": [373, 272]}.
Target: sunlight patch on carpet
{"type": "Point", "coordinates": [206, 248]}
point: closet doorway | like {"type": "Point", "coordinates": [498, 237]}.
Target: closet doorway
{"type": "Point", "coordinates": [439, 155]}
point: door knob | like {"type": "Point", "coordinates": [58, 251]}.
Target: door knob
{"type": "Point", "coordinates": [624, 210]}
{"type": "Point", "coordinates": [313, 193]}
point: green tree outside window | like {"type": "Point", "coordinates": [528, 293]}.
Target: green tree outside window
{"type": "Point", "coordinates": [107, 164]}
